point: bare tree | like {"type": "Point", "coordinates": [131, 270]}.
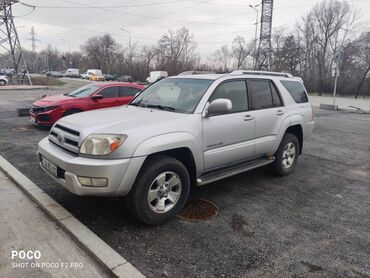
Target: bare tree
{"type": "Point", "coordinates": [176, 51]}
{"type": "Point", "coordinates": [328, 20]}
{"type": "Point", "coordinates": [240, 51]}
{"type": "Point", "coordinates": [223, 58]}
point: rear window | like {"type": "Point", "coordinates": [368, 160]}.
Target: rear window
{"type": "Point", "coordinates": [296, 90]}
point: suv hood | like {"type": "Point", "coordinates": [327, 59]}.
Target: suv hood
{"type": "Point", "coordinates": [118, 119]}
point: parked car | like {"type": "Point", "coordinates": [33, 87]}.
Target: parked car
{"type": "Point", "coordinates": [55, 74]}
{"type": "Point", "coordinates": [3, 80]}
{"type": "Point", "coordinates": [156, 75]}
{"type": "Point", "coordinates": [125, 78]}
{"type": "Point", "coordinates": [181, 131]}
{"type": "Point", "coordinates": [108, 77]}
{"type": "Point", "coordinates": [72, 73]}
{"type": "Point", "coordinates": [47, 110]}
{"type": "Point", "coordinates": [96, 77]}
{"type": "Point", "coordinates": [191, 72]}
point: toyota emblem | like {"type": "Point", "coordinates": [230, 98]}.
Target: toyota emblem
{"type": "Point", "coordinates": [60, 138]}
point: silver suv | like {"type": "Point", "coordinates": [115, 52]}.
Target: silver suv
{"type": "Point", "coordinates": [180, 131]}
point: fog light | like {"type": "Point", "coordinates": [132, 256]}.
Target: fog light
{"type": "Point", "coordinates": [95, 182]}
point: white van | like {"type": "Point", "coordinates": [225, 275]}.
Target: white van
{"type": "Point", "coordinates": [72, 73]}
{"type": "Point", "coordinates": [156, 75]}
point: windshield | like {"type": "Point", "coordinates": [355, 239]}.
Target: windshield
{"type": "Point", "coordinates": [84, 91]}
{"type": "Point", "coordinates": [173, 94]}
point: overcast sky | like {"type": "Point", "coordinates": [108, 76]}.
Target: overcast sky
{"type": "Point", "coordinates": [66, 24]}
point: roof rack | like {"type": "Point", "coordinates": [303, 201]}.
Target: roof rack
{"type": "Point", "coordinates": [256, 72]}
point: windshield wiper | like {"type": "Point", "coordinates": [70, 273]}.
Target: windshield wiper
{"type": "Point", "coordinates": [139, 103]}
{"type": "Point", "coordinates": [162, 107]}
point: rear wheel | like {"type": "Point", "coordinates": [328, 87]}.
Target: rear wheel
{"type": "Point", "coordinates": [2, 82]}
{"type": "Point", "coordinates": [160, 191]}
{"type": "Point", "coordinates": [287, 155]}
{"type": "Point", "coordinates": [72, 111]}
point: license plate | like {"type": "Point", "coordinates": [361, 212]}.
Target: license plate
{"type": "Point", "coordinates": [49, 166]}
{"type": "Point", "coordinates": [32, 118]}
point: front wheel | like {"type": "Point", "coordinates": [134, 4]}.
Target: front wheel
{"type": "Point", "coordinates": [160, 191]}
{"type": "Point", "coordinates": [2, 82]}
{"type": "Point", "coordinates": [287, 155]}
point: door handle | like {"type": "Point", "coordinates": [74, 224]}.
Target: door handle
{"type": "Point", "coordinates": [248, 117]}
{"type": "Point", "coordinates": [280, 112]}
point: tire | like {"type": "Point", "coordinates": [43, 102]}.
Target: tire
{"type": "Point", "coordinates": [152, 204]}
{"type": "Point", "coordinates": [71, 112]}
{"type": "Point", "coordinates": [286, 156]}
{"type": "Point", "coordinates": [2, 82]}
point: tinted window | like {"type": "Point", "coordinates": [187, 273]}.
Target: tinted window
{"type": "Point", "coordinates": [276, 101]}
{"type": "Point", "coordinates": [296, 90]}
{"type": "Point", "coordinates": [111, 92]}
{"type": "Point", "coordinates": [236, 91]}
{"type": "Point", "coordinates": [129, 91]}
{"type": "Point", "coordinates": [260, 92]}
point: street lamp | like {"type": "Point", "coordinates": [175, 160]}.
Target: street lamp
{"type": "Point", "coordinates": [255, 34]}
{"type": "Point", "coordinates": [69, 50]}
{"type": "Point", "coordinates": [130, 49]}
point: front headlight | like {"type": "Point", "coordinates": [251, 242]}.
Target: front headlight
{"type": "Point", "coordinates": [49, 108]}
{"type": "Point", "coordinates": [101, 144]}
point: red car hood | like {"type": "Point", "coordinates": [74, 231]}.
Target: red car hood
{"type": "Point", "coordinates": [52, 100]}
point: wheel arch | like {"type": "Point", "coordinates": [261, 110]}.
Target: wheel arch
{"type": "Point", "coordinates": [184, 155]}
{"type": "Point", "coordinates": [298, 132]}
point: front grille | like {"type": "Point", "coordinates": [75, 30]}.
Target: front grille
{"type": "Point", "coordinates": [43, 118]}
{"type": "Point", "coordinates": [65, 138]}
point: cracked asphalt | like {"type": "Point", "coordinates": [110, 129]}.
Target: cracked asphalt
{"type": "Point", "coordinates": [313, 223]}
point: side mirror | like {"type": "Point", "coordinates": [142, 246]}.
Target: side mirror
{"type": "Point", "coordinates": [97, 97]}
{"type": "Point", "coordinates": [219, 106]}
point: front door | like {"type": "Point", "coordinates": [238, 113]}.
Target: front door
{"type": "Point", "coordinates": [228, 138]}
{"type": "Point", "coordinates": [111, 97]}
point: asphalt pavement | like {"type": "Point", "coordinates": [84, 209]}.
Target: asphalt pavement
{"type": "Point", "coordinates": [313, 223]}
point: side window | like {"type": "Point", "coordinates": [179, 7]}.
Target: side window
{"type": "Point", "coordinates": [276, 101]}
{"type": "Point", "coordinates": [129, 91]}
{"type": "Point", "coordinates": [111, 92]}
{"type": "Point", "coordinates": [236, 91]}
{"type": "Point", "coordinates": [296, 90]}
{"type": "Point", "coordinates": [260, 93]}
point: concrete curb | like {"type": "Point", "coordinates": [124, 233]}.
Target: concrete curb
{"type": "Point", "coordinates": [23, 88]}
{"type": "Point", "coordinates": [109, 259]}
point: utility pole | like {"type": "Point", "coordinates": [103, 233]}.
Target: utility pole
{"type": "Point", "coordinates": [264, 48]}
{"type": "Point", "coordinates": [130, 49]}
{"type": "Point", "coordinates": [255, 36]}
{"type": "Point", "coordinates": [9, 40]}
{"type": "Point", "coordinates": [33, 38]}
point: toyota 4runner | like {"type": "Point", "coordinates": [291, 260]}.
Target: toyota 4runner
{"type": "Point", "coordinates": [180, 131]}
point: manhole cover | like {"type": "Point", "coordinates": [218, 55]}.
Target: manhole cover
{"type": "Point", "coordinates": [21, 128]}
{"type": "Point", "coordinates": [198, 210]}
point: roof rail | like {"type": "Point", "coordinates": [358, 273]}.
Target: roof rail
{"type": "Point", "coordinates": [257, 72]}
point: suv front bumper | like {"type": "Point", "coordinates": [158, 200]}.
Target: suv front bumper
{"type": "Point", "coordinates": [120, 173]}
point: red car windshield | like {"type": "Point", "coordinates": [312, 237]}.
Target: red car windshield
{"type": "Point", "coordinates": [84, 91]}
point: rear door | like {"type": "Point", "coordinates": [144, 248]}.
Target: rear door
{"type": "Point", "coordinates": [127, 94]}
{"type": "Point", "coordinates": [269, 112]}
{"type": "Point", "coordinates": [228, 138]}
{"type": "Point", "coordinates": [111, 98]}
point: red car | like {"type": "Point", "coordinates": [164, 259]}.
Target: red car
{"type": "Point", "coordinates": [48, 110]}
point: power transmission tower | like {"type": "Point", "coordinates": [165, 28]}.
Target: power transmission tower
{"type": "Point", "coordinates": [264, 48]}
{"type": "Point", "coordinates": [10, 46]}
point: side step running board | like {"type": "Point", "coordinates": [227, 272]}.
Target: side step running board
{"type": "Point", "coordinates": [233, 170]}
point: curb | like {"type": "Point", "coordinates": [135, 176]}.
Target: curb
{"type": "Point", "coordinates": [110, 260]}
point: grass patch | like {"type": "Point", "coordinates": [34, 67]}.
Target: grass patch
{"type": "Point", "coordinates": [47, 81]}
